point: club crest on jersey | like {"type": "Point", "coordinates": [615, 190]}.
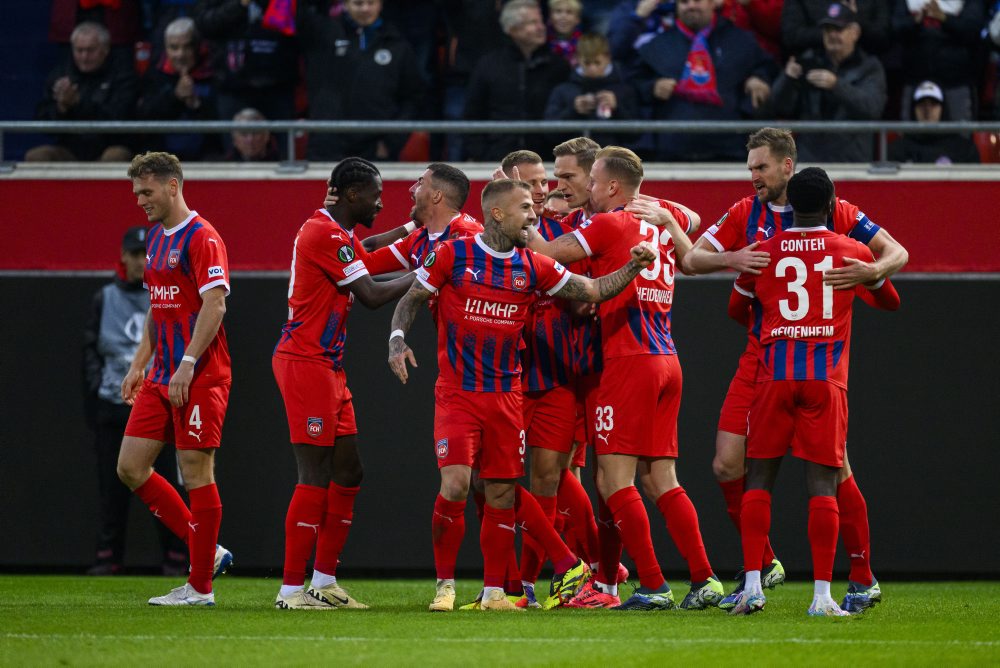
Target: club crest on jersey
{"type": "Point", "coordinates": [441, 448]}
{"type": "Point", "coordinates": [519, 280]}
{"type": "Point", "coordinates": [174, 258]}
{"type": "Point", "coordinates": [314, 427]}
{"type": "Point", "coordinates": [429, 260]}
{"type": "Point", "coordinates": [345, 254]}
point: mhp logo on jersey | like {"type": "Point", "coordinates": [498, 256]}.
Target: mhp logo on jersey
{"type": "Point", "coordinates": [520, 280]}
{"type": "Point", "coordinates": [314, 426]}
{"type": "Point", "coordinates": [345, 254]}
{"type": "Point", "coordinates": [174, 258]}
{"type": "Point", "coordinates": [214, 272]}
{"type": "Point", "coordinates": [441, 448]}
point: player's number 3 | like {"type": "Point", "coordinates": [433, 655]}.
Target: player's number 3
{"type": "Point", "coordinates": [654, 235]}
{"type": "Point", "coordinates": [796, 287]}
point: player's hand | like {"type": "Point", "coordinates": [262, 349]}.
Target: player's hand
{"type": "Point", "coordinates": [644, 254]}
{"type": "Point", "coordinates": [651, 212]}
{"type": "Point", "coordinates": [180, 382]}
{"type": "Point", "coordinates": [856, 272]}
{"type": "Point", "coordinates": [131, 384]}
{"type": "Point", "coordinates": [499, 174]}
{"type": "Point", "coordinates": [331, 197]}
{"type": "Point", "coordinates": [749, 260]}
{"type": "Point", "coordinates": [399, 353]}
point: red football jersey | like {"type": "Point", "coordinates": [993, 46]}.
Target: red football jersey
{"type": "Point", "coordinates": [326, 259]}
{"type": "Point", "coordinates": [483, 302]}
{"type": "Point", "coordinates": [637, 321]}
{"type": "Point", "coordinates": [181, 264]}
{"type": "Point", "coordinates": [409, 252]}
{"type": "Point", "coordinates": [806, 325]}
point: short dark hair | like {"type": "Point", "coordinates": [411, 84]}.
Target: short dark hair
{"type": "Point", "coordinates": [583, 148]}
{"type": "Point", "coordinates": [521, 157]}
{"type": "Point", "coordinates": [496, 189]}
{"type": "Point", "coordinates": [452, 181]}
{"type": "Point", "coordinates": [164, 166]}
{"type": "Point", "coordinates": [353, 171]}
{"type": "Point", "coordinates": [810, 191]}
{"type": "Point", "coordinates": [779, 140]}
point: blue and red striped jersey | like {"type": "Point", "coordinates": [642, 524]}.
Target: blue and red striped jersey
{"type": "Point", "coordinates": [181, 264]}
{"type": "Point", "coordinates": [547, 357]}
{"type": "Point", "coordinates": [409, 252]}
{"type": "Point", "coordinates": [326, 259]}
{"type": "Point", "coordinates": [483, 302]}
{"type": "Point", "coordinates": [586, 331]}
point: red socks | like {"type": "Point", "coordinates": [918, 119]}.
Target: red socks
{"type": "Point", "coordinates": [682, 523]}
{"type": "Point", "coordinates": [755, 523]}
{"type": "Point", "coordinates": [302, 525]}
{"type": "Point", "coordinates": [496, 540]}
{"type": "Point", "coordinates": [535, 524]}
{"type": "Point", "coordinates": [532, 553]}
{"type": "Point", "coordinates": [609, 543]}
{"type": "Point", "coordinates": [166, 504]}
{"type": "Point", "coordinates": [447, 529]}
{"type": "Point", "coordinates": [335, 527]}
{"type": "Point", "coordinates": [574, 499]}
{"type": "Point", "coordinates": [633, 525]}
{"type": "Point", "coordinates": [824, 523]}
{"type": "Point", "coordinates": [732, 490]}
{"type": "Point", "coordinates": [854, 530]}
{"type": "Point", "coordinates": [203, 535]}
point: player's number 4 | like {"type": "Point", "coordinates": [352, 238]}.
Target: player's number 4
{"type": "Point", "coordinates": [195, 419]}
{"type": "Point", "coordinates": [795, 286]}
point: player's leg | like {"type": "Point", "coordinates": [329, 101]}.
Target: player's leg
{"type": "Point", "coordinates": [448, 530]}
{"type": "Point", "coordinates": [198, 470]}
{"type": "Point", "coordinates": [175, 552]}
{"type": "Point", "coordinates": [824, 525]}
{"type": "Point", "coordinates": [863, 590]}
{"type": "Point", "coordinates": [546, 470]}
{"type": "Point", "coordinates": [755, 523]}
{"type": "Point", "coordinates": [496, 540]}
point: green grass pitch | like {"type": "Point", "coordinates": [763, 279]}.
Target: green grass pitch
{"type": "Point", "coordinates": [52, 620]}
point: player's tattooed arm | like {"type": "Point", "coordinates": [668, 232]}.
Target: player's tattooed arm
{"type": "Point", "coordinates": [601, 289]}
{"type": "Point", "coordinates": [565, 248]}
{"type": "Point", "coordinates": [402, 319]}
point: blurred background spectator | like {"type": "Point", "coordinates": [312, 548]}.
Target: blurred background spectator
{"type": "Point", "coordinates": [252, 145]}
{"type": "Point", "coordinates": [635, 22]}
{"type": "Point", "coordinates": [761, 17]}
{"type": "Point", "coordinates": [119, 17]}
{"type": "Point", "coordinates": [89, 86]}
{"type": "Point", "coordinates": [180, 87]}
{"type": "Point", "coordinates": [564, 28]}
{"type": "Point", "coordinates": [513, 83]}
{"type": "Point", "coordinates": [943, 149]}
{"type": "Point", "coordinates": [801, 28]}
{"type": "Point", "coordinates": [837, 82]}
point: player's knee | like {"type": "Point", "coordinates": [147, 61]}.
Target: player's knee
{"type": "Point", "coordinates": [546, 483]}
{"type": "Point", "coordinates": [727, 468]}
{"type": "Point", "coordinates": [454, 490]}
{"type": "Point", "coordinates": [349, 476]}
{"type": "Point", "coordinates": [131, 475]}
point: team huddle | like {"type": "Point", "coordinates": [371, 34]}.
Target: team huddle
{"type": "Point", "coordinates": [553, 339]}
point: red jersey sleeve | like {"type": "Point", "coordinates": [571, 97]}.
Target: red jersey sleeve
{"type": "Point", "coordinates": [729, 233]}
{"type": "Point", "coordinates": [340, 257]}
{"type": "Point", "coordinates": [741, 298]}
{"type": "Point", "coordinates": [600, 231]}
{"type": "Point", "coordinates": [436, 270]}
{"type": "Point", "coordinates": [551, 275]}
{"type": "Point", "coordinates": [209, 260]}
{"type": "Point", "coordinates": [387, 259]}
{"type": "Point", "coordinates": [680, 215]}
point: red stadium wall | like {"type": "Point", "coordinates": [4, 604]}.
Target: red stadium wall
{"type": "Point", "coordinates": [76, 225]}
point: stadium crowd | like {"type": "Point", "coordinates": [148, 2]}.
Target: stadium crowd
{"type": "Point", "coordinates": [518, 60]}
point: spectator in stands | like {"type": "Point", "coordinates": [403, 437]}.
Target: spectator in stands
{"type": "Point", "coordinates": [941, 149]}
{"type": "Point", "coordinates": [940, 43]}
{"type": "Point", "coordinates": [255, 66]}
{"type": "Point", "coordinates": [707, 69]}
{"type": "Point", "coordinates": [90, 86]}
{"type": "Point", "coordinates": [180, 87]}
{"type": "Point", "coordinates": [801, 29]}
{"type": "Point", "coordinates": [564, 28]}
{"type": "Point", "coordinates": [635, 22]}
{"type": "Point", "coordinates": [156, 15]}
{"type": "Point", "coordinates": [595, 90]}
{"type": "Point", "coordinates": [120, 17]}
{"type": "Point", "coordinates": [513, 83]}
{"type": "Point", "coordinates": [760, 17]}
{"type": "Point", "coordinates": [358, 67]}
{"type": "Point", "coordinates": [252, 145]}
{"type": "Point", "coordinates": [839, 82]}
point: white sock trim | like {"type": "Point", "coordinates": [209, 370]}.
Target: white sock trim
{"type": "Point", "coordinates": [320, 580]}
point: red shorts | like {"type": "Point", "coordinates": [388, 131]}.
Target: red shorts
{"type": "Point", "coordinates": [195, 425]}
{"type": "Point", "coordinates": [479, 429]}
{"type": "Point", "coordinates": [810, 416]}
{"type": "Point", "coordinates": [637, 406]}
{"type": "Point", "coordinates": [317, 401]}
{"type": "Point", "coordinates": [586, 404]}
{"type": "Point", "coordinates": [733, 416]}
{"type": "Point", "coordinates": [550, 418]}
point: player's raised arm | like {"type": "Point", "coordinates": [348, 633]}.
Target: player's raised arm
{"type": "Point", "coordinates": [693, 217]}
{"type": "Point", "coordinates": [653, 213]}
{"type": "Point", "coordinates": [564, 249]}
{"type": "Point", "coordinates": [373, 293]}
{"type": "Point", "coordinates": [584, 289]}
{"type": "Point", "coordinates": [705, 258]}
{"type": "Point", "coordinates": [891, 258]}
{"type": "Point", "coordinates": [402, 319]}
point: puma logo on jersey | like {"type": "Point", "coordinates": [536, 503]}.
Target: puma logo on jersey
{"type": "Point", "coordinates": [508, 527]}
{"type": "Point", "coordinates": [194, 526]}
{"type": "Point", "coordinates": [197, 436]}
{"type": "Point", "coordinates": [603, 438]}
{"type": "Point", "coordinates": [314, 527]}
{"type": "Point", "coordinates": [475, 273]}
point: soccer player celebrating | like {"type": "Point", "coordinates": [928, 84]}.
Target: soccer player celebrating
{"type": "Point", "coordinates": [485, 286]}
{"type": "Point", "coordinates": [640, 387]}
{"type": "Point", "coordinates": [733, 243]}
{"type": "Point", "coordinates": [801, 397]}
{"type": "Point", "coordinates": [185, 396]}
{"type": "Point", "coordinates": [328, 273]}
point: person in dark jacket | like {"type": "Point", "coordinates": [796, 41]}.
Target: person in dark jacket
{"type": "Point", "coordinates": [595, 90]}
{"type": "Point", "coordinates": [633, 23]}
{"type": "Point", "coordinates": [90, 86]}
{"type": "Point", "coordinates": [358, 67]}
{"type": "Point", "coordinates": [513, 83]}
{"type": "Point", "coordinates": [180, 87]}
{"type": "Point", "coordinates": [839, 82]}
{"type": "Point", "coordinates": [703, 69]}
{"type": "Point", "coordinates": [801, 29]}
{"type": "Point", "coordinates": [111, 337]}
{"type": "Point", "coordinates": [941, 149]}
